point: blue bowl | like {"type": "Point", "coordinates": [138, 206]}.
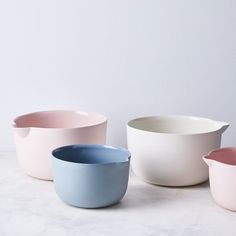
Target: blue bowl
{"type": "Point", "coordinates": [91, 176]}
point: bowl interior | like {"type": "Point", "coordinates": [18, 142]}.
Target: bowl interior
{"type": "Point", "coordinates": [174, 124]}
{"type": "Point", "coordinates": [91, 154]}
{"type": "Point", "coordinates": [224, 155]}
{"type": "Point", "coordinates": [59, 119]}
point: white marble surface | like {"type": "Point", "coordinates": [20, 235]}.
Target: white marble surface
{"type": "Point", "coordinates": [31, 207]}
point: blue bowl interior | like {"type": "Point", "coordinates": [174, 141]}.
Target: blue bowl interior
{"type": "Point", "coordinates": [91, 154]}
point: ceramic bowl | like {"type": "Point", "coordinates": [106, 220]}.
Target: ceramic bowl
{"type": "Point", "coordinates": [168, 150]}
{"type": "Point", "coordinates": [90, 176]}
{"type": "Point", "coordinates": [37, 134]}
{"type": "Point", "coordinates": [222, 172]}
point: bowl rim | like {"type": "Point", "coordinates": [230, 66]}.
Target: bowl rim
{"type": "Point", "coordinates": [103, 119]}
{"type": "Point", "coordinates": [99, 146]}
{"type": "Point", "coordinates": [221, 150]}
{"type": "Point", "coordinates": [130, 126]}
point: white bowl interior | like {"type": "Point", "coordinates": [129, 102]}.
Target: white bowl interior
{"type": "Point", "coordinates": [174, 124]}
{"type": "Point", "coordinates": [59, 119]}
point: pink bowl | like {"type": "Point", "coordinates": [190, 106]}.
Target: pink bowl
{"type": "Point", "coordinates": [37, 134]}
{"type": "Point", "coordinates": [222, 174]}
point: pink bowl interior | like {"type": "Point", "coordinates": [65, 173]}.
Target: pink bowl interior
{"type": "Point", "coordinates": [224, 155]}
{"type": "Point", "coordinates": [59, 119]}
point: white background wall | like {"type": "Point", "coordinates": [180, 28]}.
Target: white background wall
{"type": "Point", "coordinates": [123, 58]}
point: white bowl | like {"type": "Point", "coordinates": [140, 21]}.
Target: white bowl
{"type": "Point", "coordinates": [168, 150]}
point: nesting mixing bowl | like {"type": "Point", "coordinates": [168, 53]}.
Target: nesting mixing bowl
{"type": "Point", "coordinates": [37, 134]}
{"type": "Point", "coordinates": [90, 176]}
{"type": "Point", "coordinates": [168, 150]}
{"type": "Point", "coordinates": [222, 171]}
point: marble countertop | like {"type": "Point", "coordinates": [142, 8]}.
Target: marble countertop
{"type": "Point", "coordinates": [31, 207]}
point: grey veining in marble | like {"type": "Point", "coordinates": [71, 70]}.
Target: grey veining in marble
{"type": "Point", "coordinates": [31, 207]}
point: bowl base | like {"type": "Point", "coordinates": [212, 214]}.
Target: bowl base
{"type": "Point", "coordinates": [171, 185]}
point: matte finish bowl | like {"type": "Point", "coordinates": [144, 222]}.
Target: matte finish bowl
{"type": "Point", "coordinates": [91, 176]}
{"type": "Point", "coordinates": [37, 134]}
{"type": "Point", "coordinates": [222, 172]}
{"type": "Point", "coordinates": [168, 150]}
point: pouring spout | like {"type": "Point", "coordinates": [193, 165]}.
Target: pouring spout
{"type": "Point", "coordinates": [21, 131]}
{"type": "Point", "coordinates": [207, 160]}
{"type": "Point", "coordinates": [222, 126]}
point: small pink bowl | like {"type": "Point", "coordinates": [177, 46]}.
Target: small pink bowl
{"type": "Point", "coordinates": [222, 174]}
